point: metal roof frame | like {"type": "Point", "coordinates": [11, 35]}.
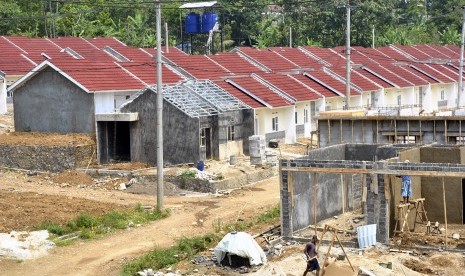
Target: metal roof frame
{"type": "Point", "coordinates": [197, 98]}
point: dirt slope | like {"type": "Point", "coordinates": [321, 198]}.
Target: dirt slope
{"type": "Point", "coordinates": [190, 216]}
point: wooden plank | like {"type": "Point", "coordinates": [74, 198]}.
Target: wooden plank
{"type": "Point", "coordinates": [445, 209]}
{"type": "Point", "coordinates": [366, 271]}
{"type": "Point", "coordinates": [379, 171]}
{"type": "Point", "coordinates": [314, 200]}
{"type": "Point", "coordinates": [290, 187]}
{"type": "Point", "coordinates": [343, 195]}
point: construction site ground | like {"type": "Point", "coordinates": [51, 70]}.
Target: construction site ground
{"type": "Point", "coordinates": [26, 199]}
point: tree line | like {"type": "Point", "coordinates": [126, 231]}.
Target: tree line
{"type": "Point", "coordinates": [261, 23]}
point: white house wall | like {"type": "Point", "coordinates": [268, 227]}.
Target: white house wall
{"type": "Point", "coordinates": [264, 117]}
{"type": "Point", "coordinates": [3, 108]}
{"type": "Point", "coordinates": [334, 103]}
{"type": "Point", "coordinates": [409, 99]}
{"type": "Point", "coordinates": [427, 98]}
{"type": "Point", "coordinates": [104, 103]}
{"type": "Point", "coordinates": [300, 109]}
{"type": "Point", "coordinates": [109, 102]}
{"type": "Point", "coordinates": [451, 96]}
{"type": "Point", "coordinates": [356, 100]}
{"type": "Point", "coordinates": [380, 99]}
{"type": "Point", "coordinates": [365, 99]}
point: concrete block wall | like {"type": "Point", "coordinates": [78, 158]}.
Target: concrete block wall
{"type": "Point", "coordinates": [43, 158]}
{"type": "Point", "coordinates": [336, 131]}
{"type": "Point", "coordinates": [286, 218]}
{"type": "Point", "coordinates": [377, 209]}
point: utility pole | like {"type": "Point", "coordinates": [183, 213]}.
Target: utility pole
{"type": "Point", "coordinates": [159, 113]}
{"type": "Point", "coordinates": [167, 44]}
{"type": "Point", "coordinates": [460, 85]}
{"type": "Point", "coordinates": [290, 37]}
{"type": "Point", "coordinates": [348, 56]}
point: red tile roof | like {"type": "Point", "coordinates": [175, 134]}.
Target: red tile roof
{"type": "Point", "coordinates": [268, 58]}
{"type": "Point", "coordinates": [373, 78]}
{"type": "Point", "coordinates": [82, 47]}
{"type": "Point", "coordinates": [34, 47]}
{"type": "Point", "coordinates": [235, 63]}
{"type": "Point", "coordinates": [417, 54]}
{"type": "Point", "coordinates": [406, 74]}
{"type": "Point", "coordinates": [322, 90]}
{"type": "Point", "coordinates": [331, 81]}
{"type": "Point", "coordinates": [250, 101]}
{"type": "Point", "coordinates": [261, 91]}
{"type": "Point", "coordinates": [12, 60]}
{"type": "Point", "coordinates": [326, 55]}
{"type": "Point", "coordinates": [451, 55]}
{"type": "Point", "coordinates": [356, 55]}
{"type": "Point", "coordinates": [428, 69]}
{"type": "Point", "coordinates": [98, 76]}
{"type": "Point", "coordinates": [360, 81]}
{"type": "Point", "coordinates": [289, 86]}
{"type": "Point", "coordinates": [431, 51]}
{"type": "Point", "coordinates": [101, 42]}
{"type": "Point", "coordinates": [199, 66]}
{"type": "Point", "coordinates": [392, 76]}
{"type": "Point", "coordinates": [298, 57]}
{"type": "Point", "coordinates": [389, 54]}
{"type": "Point", "coordinates": [147, 72]}
{"type": "Point", "coordinates": [446, 70]}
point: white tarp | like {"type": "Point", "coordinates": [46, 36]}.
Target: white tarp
{"type": "Point", "coordinates": [199, 5]}
{"type": "Point", "coordinates": [240, 244]}
{"type": "Point", "coordinates": [366, 235]}
{"type": "Point", "coordinates": [25, 245]}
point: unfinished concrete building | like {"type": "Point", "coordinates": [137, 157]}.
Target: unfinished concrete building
{"type": "Point", "coordinates": [336, 129]}
{"type": "Point", "coordinates": [333, 180]}
{"type": "Point", "coordinates": [200, 122]}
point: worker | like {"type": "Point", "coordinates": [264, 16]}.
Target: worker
{"type": "Point", "coordinates": [406, 187]}
{"type": "Point", "coordinates": [311, 254]}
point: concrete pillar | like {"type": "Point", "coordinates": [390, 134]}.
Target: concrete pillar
{"type": "Point", "coordinates": [3, 108]}
{"type": "Point", "coordinates": [286, 216]}
{"type": "Point", "coordinates": [377, 211]}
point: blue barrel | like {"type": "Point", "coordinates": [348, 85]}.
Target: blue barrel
{"type": "Point", "coordinates": [200, 165]}
{"type": "Point", "coordinates": [193, 23]}
{"type": "Point", "coordinates": [209, 19]}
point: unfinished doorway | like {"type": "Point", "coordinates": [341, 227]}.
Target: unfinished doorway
{"type": "Point", "coordinates": [206, 143]}
{"type": "Point", "coordinates": [114, 141]}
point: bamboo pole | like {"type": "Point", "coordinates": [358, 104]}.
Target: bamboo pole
{"type": "Point", "coordinates": [314, 201]}
{"type": "Point", "coordinates": [340, 131]}
{"type": "Point", "coordinates": [342, 247]}
{"type": "Point", "coordinates": [445, 210]}
{"type": "Point", "coordinates": [327, 254]}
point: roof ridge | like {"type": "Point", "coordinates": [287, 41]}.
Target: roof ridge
{"type": "Point", "coordinates": [14, 44]}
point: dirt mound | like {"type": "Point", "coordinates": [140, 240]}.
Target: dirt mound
{"type": "Point", "coordinates": [442, 261]}
{"type": "Point", "coordinates": [73, 178]}
{"type": "Point", "coordinates": [129, 166]}
{"type": "Point", "coordinates": [33, 209]}
{"type": "Point", "coordinates": [45, 139]}
{"type": "Point", "coordinates": [419, 266]}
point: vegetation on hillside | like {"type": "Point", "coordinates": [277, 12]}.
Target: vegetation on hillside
{"type": "Point", "coordinates": [261, 23]}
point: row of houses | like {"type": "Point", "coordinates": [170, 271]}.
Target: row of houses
{"type": "Point", "coordinates": [213, 103]}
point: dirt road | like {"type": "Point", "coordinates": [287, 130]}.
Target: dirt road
{"type": "Point", "coordinates": [191, 215]}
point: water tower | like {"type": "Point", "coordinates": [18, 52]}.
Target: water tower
{"type": "Point", "coordinates": [196, 24]}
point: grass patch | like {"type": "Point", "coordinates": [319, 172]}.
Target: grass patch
{"type": "Point", "coordinates": [87, 226]}
{"type": "Point", "coordinates": [187, 248]}
{"type": "Point", "coordinates": [158, 258]}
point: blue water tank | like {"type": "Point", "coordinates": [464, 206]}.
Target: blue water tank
{"type": "Point", "coordinates": [193, 23]}
{"type": "Point", "coordinates": [209, 19]}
